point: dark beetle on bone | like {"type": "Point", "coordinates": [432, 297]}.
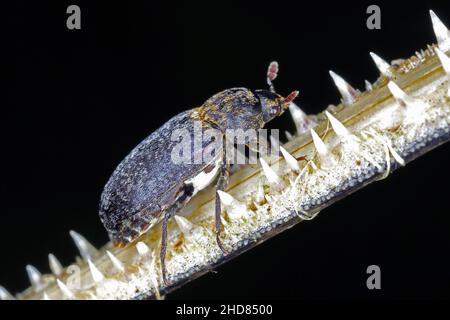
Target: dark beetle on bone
{"type": "Point", "coordinates": [148, 187]}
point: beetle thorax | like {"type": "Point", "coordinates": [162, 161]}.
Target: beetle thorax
{"type": "Point", "coordinates": [236, 108]}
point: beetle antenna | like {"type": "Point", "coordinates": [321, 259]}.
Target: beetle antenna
{"type": "Point", "coordinates": [272, 73]}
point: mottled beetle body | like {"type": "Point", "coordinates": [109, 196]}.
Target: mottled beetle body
{"type": "Point", "coordinates": [148, 186]}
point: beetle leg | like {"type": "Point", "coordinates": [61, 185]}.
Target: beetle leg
{"type": "Point", "coordinates": [162, 254]}
{"type": "Point", "coordinates": [184, 194]}
{"type": "Point", "coordinates": [264, 148]}
{"type": "Point", "coordinates": [221, 184]}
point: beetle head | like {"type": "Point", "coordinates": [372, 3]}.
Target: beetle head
{"type": "Point", "coordinates": [273, 104]}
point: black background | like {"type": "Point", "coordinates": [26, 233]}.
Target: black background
{"type": "Point", "coordinates": [78, 101]}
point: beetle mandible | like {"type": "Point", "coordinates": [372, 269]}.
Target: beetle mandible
{"type": "Point", "coordinates": [147, 187]}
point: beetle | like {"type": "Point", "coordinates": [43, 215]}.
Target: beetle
{"type": "Point", "coordinates": [147, 187]}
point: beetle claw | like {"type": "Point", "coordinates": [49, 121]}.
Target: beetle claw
{"type": "Point", "coordinates": [166, 281]}
{"type": "Point", "coordinates": [220, 244]}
